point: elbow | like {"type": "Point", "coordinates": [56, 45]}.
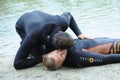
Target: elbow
{"type": "Point", "coordinates": [16, 66]}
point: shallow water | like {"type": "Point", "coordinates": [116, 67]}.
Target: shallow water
{"type": "Point", "coordinates": [95, 18]}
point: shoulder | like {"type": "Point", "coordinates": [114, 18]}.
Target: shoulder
{"type": "Point", "coordinates": [68, 13]}
{"type": "Point", "coordinates": [29, 14]}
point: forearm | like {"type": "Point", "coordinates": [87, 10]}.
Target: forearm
{"type": "Point", "coordinates": [26, 63]}
{"type": "Point", "coordinates": [21, 60]}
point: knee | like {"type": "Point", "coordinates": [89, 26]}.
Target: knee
{"type": "Point", "coordinates": [68, 13]}
{"type": "Point", "coordinates": [17, 26]}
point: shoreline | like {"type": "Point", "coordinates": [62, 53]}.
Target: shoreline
{"type": "Point", "coordinates": [104, 72]}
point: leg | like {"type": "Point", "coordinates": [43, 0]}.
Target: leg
{"type": "Point", "coordinates": [115, 48]}
{"type": "Point", "coordinates": [20, 31]}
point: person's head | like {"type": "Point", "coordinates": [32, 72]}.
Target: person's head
{"type": "Point", "coordinates": [62, 40]}
{"type": "Point", "coordinates": [54, 59]}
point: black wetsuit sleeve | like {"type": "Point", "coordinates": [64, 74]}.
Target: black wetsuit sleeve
{"type": "Point", "coordinates": [21, 60]}
{"type": "Point", "coordinates": [71, 23]}
{"type": "Point", "coordinates": [91, 59]}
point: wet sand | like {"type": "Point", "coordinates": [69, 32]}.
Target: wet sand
{"type": "Point", "coordinates": [105, 72]}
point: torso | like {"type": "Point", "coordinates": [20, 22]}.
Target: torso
{"type": "Point", "coordinates": [103, 48]}
{"type": "Point", "coordinates": [101, 45]}
{"type": "Point", "coordinates": [38, 18]}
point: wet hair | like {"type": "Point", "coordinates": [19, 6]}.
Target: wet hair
{"type": "Point", "coordinates": [49, 63]}
{"type": "Point", "coordinates": [62, 40]}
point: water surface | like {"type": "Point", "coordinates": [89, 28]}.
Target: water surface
{"type": "Point", "coordinates": [95, 18]}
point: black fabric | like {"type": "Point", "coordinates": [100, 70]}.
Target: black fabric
{"type": "Point", "coordinates": [78, 58]}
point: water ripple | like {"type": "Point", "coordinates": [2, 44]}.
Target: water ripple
{"type": "Point", "coordinates": [95, 17]}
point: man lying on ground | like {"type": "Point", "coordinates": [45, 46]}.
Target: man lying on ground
{"type": "Point", "coordinates": [81, 53]}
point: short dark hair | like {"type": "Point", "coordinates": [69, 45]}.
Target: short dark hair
{"type": "Point", "coordinates": [62, 40]}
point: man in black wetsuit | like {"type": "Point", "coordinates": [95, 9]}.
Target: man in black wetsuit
{"type": "Point", "coordinates": [36, 30]}
{"type": "Point", "coordinates": [82, 53]}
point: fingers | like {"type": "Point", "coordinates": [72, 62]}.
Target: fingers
{"type": "Point", "coordinates": [88, 38]}
{"type": "Point", "coordinates": [84, 37]}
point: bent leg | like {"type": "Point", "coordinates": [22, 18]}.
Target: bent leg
{"type": "Point", "coordinates": [20, 31]}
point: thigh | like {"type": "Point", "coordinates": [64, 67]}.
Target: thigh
{"type": "Point", "coordinates": [20, 31]}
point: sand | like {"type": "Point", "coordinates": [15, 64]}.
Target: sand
{"type": "Point", "coordinates": [105, 72]}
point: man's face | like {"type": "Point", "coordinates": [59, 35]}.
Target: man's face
{"type": "Point", "coordinates": [59, 56]}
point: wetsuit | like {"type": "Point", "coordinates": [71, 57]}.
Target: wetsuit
{"type": "Point", "coordinates": [76, 57]}
{"type": "Point", "coordinates": [36, 30]}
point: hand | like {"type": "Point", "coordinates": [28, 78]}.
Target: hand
{"type": "Point", "coordinates": [81, 36]}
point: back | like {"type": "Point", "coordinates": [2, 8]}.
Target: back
{"type": "Point", "coordinates": [35, 19]}
{"type": "Point", "coordinates": [88, 43]}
